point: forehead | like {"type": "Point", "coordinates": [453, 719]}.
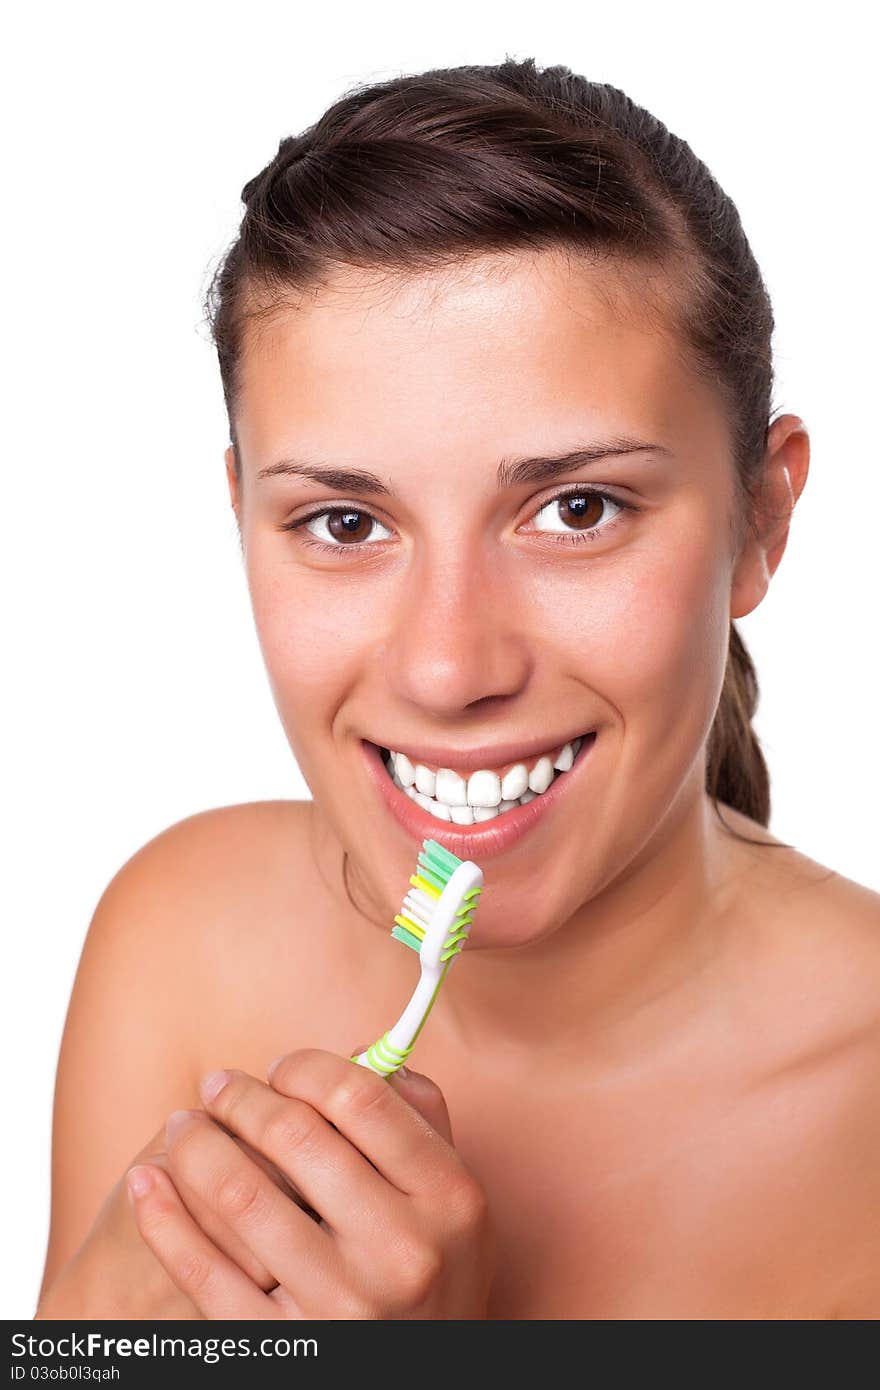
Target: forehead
{"type": "Point", "coordinates": [501, 344]}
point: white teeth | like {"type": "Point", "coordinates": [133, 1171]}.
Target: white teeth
{"type": "Point", "coordinates": [484, 795]}
{"type": "Point", "coordinates": [451, 790]}
{"type": "Point", "coordinates": [565, 759]}
{"type": "Point", "coordinates": [515, 783]}
{"type": "Point", "coordinates": [426, 780]}
{"type": "Point", "coordinates": [484, 790]}
{"type": "Point", "coordinates": [404, 769]}
{"type": "Point", "coordinates": [541, 775]}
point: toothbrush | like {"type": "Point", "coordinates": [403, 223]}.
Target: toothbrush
{"type": "Point", "coordinates": [435, 920]}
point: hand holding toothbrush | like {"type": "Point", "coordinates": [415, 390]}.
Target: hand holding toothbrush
{"type": "Point", "coordinates": [403, 1229]}
{"type": "Point", "coordinates": [383, 1220]}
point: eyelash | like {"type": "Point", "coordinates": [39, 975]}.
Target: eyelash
{"type": "Point", "coordinates": [567, 538]}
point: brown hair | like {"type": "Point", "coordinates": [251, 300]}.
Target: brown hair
{"type": "Point", "coordinates": [421, 171]}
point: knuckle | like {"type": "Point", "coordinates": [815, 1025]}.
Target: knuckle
{"type": "Point", "coordinates": [239, 1197]}
{"type": "Point", "coordinates": [191, 1272]}
{"type": "Point", "coordinates": [293, 1129]}
{"type": "Point", "coordinates": [354, 1304]}
{"type": "Point", "coordinates": [292, 1066]}
{"type": "Point", "coordinates": [419, 1271]}
{"type": "Point", "coordinates": [362, 1095]}
{"type": "Point", "coordinates": [466, 1204]}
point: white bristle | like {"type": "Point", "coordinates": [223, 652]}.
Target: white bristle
{"type": "Point", "coordinates": [419, 895]}
{"type": "Point", "coordinates": [416, 910]}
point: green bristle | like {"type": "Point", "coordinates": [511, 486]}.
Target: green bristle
{"type": "Point", "coordinates": [407, 938]}
{"type": "Point", "coordinates": [428, 874]}
{"type": "Point", "coordinates": [440, 860]}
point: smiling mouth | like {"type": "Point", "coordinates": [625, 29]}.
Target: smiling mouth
{"type": "Point", "coordinates": [484, 795]}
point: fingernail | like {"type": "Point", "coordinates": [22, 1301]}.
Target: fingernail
{"type": "Point", "coordinates": [139, 1181]}
{"type": "Point", "coordinates": [402, 1071]}
{"type": "Point", "coordinates": [175, 1122]}
{"type": "Point", "coordinates": [211, 1085]}
{"type": "Point", "coordinates": [272, 1065]}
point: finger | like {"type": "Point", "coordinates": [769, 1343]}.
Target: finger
{"type": "Point", "coordinates": [375, 1117]}
{"type": "Point", "coordinates": [280, 1179]}
{"type": "Point", "coordinates": [423, 1095]}
{"type": "Point", "coordinates": [302, 1255]}
{"type": "Point", "coordinates": [212, 1282]}
{"type": "Point", "coordinates": [154, 1152]}
{"type": "Point", "coordinates": [152, 1149]}
{"type": "Point", "coordinates": [227, 1241]}
{"type": "Point", "coordinates": [217, 1231]}
{"type": "Point", "coordinates": [333, 1176]}
{"type": "Point", "coordinates": [420, 1092]}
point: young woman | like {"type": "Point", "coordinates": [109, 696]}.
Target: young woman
{"type": "Point", "coordinates": [496, 356]}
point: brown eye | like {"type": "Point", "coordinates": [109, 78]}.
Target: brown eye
{"type": "Point", "coordinates": [339, 528]}
{"type": "Point", "coordinates": [349, 525]}
{"type": "Point", "coordinates": [581, 511]}
{"type": "Point", "coordinates": [585, 512]}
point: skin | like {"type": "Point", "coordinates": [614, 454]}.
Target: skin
{"type": "Point", "coordinates": [469, 627]}
{"type": "Point", "coordinates": [689, 1115]}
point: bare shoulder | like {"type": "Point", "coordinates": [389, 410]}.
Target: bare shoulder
{"type": "Point", "coordinates": [816, 1016]}
{"type": "Point", "coordinates": [239, 889]}
{"type": "Point", "coordinates": [210, 846]}
{"type": "Point", "coordinates": [148, 995]}
{"type": "Point", "coordinates": [820, 932]}
{"type": "Point", "coordinates": [782, 877]}
{"type": "Point", "coordinates": [209, 897]}
{"type": "Point", "coordinates": [275, 958]}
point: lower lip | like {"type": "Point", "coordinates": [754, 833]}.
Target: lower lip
{"type": "Point", "coordinates": [482, 840]}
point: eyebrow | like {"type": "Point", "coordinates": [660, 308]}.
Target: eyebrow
{"type": "Point", "coordinates": [512, 472]}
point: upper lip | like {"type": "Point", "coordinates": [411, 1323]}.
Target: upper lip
{"type": "Point", "coordinates": [475, 759]}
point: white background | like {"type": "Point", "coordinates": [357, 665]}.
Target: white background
{"type": "Point", "coordinates": [134, 692]}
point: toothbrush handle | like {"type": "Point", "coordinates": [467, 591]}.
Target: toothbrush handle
{"type": "Point", "coordinates": [392, 1050]}
{"type": "Point", "coordinates": [380, 1058]}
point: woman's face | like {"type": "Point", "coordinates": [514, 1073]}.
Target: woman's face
{"type": "Point", "coordinates": [472, 609]}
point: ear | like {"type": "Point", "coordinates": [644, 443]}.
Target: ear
{"type": "Point", "coordinates": [232, 478]}
{"type": "Point", "coordinates": [786, 464]}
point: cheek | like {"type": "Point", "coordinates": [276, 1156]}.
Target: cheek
{"type": "Point", "coordinates": [648, 630]}
{"type": "Point", "coordinates": [667, 630]}
{"type": "Point", "coordinates": [313, 630]}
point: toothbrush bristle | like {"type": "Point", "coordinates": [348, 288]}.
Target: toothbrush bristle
{"type": "Point", "coordinates": [426, 885]}
{"type": "Point", "coordinates": [401, 933]}
{"type": "Point", "coordinates": [436, 866]}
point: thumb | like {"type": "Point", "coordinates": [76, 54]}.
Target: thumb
{"type": "Point", "coordinates": [422, 1094]}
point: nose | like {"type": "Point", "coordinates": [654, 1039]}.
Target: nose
{"type": "Point", "coordinates": [457, 639]}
